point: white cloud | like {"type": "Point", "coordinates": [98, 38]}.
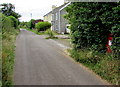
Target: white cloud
{"type": "Point", "coordinates": [38, 8]}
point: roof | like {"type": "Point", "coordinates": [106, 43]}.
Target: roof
{"type": "Point", "coordinates": [56, 8]}
{"type": "Point", "coordinates": [48, 13]}
{"type": "Point", "coordinates": [36, 21]}
{"type": "Point", "coordinates": [60, 6]}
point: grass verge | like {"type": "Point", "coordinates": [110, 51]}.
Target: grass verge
{"type": "Point", "coordinates": [105, 65]}
{"type": "Point", "coordinates": [8, 54]}
{"type": "Point", "coordinates": [36, 32]}
{"type": "Point", "coordinates": [48, 32]}
{"type": "Point", "coordinates": [0, 59]}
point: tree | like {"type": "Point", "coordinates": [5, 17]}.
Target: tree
{"type": "Point", "coordinates": [9, 10]}
{"type": "Point", "coordinates": [23, 24]}
{"type": "Point", "coordinates": [30, 24]}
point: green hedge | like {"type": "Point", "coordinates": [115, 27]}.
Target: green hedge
{"type": "Point", "coordinates": [42, 26]}
{"type": "Point", "coordinates": [91, 22]}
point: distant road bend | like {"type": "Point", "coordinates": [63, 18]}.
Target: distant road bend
{"type": "Point", "coordinates": [42, 62]}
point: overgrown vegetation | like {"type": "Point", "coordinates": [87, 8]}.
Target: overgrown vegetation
{"type": "Point", "coordinates": [14, 22]}
{"type": "Point", "coordinates": [28, 25]}
{"type": "Point", "coordinates": [9, 31]}
{"type": "Point", "coordinates": [103, 64]}
{"type": "Point", "coordinates": [42, 26]}
{"type": "Point", "coordinates": [51, 34]}
{"type": "Point", "coordinates": [8, 48]}
{"type": "Point", "coordinates": [91, 23]}
{"type": "Point", "coordinates": [0, 54]}
{"type": "Point", "coordinates": [36, 32]}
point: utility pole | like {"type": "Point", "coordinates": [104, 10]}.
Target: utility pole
{"type": "Point", "coordinates": [31, 15]}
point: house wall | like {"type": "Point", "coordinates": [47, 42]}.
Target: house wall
{"type": "Point", "coordinates": [63, 21]}
{"type": "Point", "coordinates": [58, 21]}
{"type": "Point", "coordinates": [55, 20]}
{"type": "Point", "coordinates": [48, 18]}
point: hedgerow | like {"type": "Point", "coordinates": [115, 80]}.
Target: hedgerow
{"type": "Point", "coordinates": [9, 34]}
{"type": "Point", "coordinates": [92, 22]}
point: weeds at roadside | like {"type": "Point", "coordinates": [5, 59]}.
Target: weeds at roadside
{"type": "Point", "coordinates": [36, 32]}
{"type": "Point", "coordinates": [8, 48]}
{"type": "Point", "coordinates": [104, 65]}
{"type": "Point", "coordinates": [51, 34]}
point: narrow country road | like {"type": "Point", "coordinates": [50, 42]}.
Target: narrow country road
{"type": "Point", "coordinates": [40, 61]}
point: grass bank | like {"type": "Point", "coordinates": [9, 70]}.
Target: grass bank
{"type": "Point", "coordinates": [8, 54]}
{"type": "Point", "coordinates": [35, 31]}
{"type": "Point", "coordinates": [105, 65]}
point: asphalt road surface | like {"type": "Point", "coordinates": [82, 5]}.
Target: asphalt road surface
{"type": "Point", "coordinates": [40, 61]}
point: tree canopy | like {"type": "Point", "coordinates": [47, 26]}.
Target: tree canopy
{"type": "Point", "coordinates": [9, 10]}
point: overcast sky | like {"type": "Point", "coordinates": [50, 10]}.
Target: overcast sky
{"type": "Point", "coordinates": [38, 8]}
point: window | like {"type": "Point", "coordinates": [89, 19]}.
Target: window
{"type": "Point", "coordinates": [52, 16]}
{"type": "Point", "coordinates": [56, 16]}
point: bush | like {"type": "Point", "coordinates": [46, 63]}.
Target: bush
{"type": "Point", "coordinates": [14, 21]}
{"type": "Point", "coordinates": [6, 24]}
{"type": "Point", "coordinates": [42, 26]}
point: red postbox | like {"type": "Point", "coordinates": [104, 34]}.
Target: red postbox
{"type": "Point", "coordinates": [109, 43]}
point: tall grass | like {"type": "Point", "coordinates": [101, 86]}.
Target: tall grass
{"type": "Point", "coordinates": [0, 59]}
{"type": "Point", "coordinates": [104, 65]}
{"type": "Point", "coordinates": [50, 33]}
{"type": "Point", "coordinates": [8, 53]}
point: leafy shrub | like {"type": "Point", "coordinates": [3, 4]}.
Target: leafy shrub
{"type": "Point", "coordinates": [6, 24]}
{"type": "Point", "coordinates": [14, 21]}
{"type": "Point", "coordinates": [42, 26]}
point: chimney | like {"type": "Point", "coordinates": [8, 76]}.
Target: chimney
{"type": "Point", "coordinates": [54, 6]}
{"type": "Point", "coordinates": [65, 1]}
